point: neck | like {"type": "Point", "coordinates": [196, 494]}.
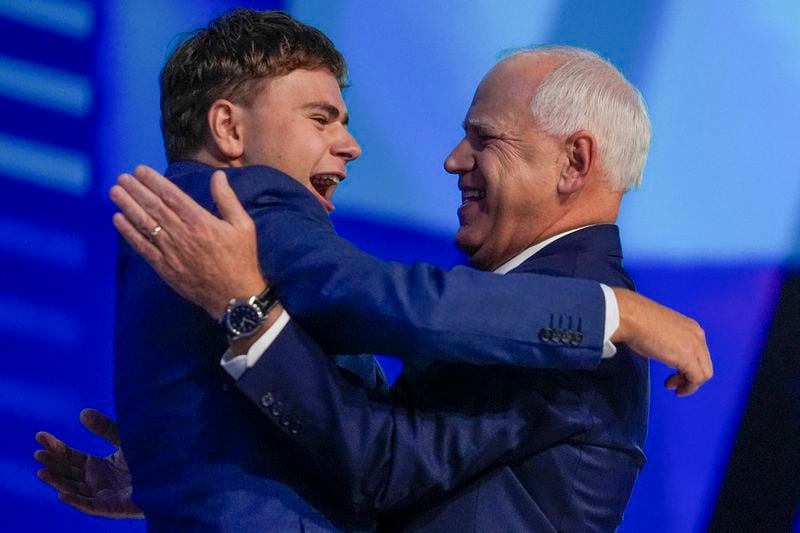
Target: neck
{"type": "Point", "coordinates": [212, 160]}
{"type": "Point", "coordinates": [572, 213]}
{"type": "Point", "coordinates": [580, 216]}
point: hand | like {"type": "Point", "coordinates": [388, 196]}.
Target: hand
{"type": "Point", "coordinates": [206, 260]}
{"type": "Point", "coordinates": [99, 486]}
{"type": "Point", "coordinates": [662, 334]}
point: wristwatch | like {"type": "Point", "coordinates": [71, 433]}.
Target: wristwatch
{"type": "Point", "coordinates": [243, 317]}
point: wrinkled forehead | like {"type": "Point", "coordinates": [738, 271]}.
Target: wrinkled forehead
{"type": "Point", "coordinates": [500, 99]}
{"type": "Point", "coordinates": [507, 90]}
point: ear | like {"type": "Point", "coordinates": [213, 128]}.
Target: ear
{"type": "Point", "coordinates": [580, 150]}
{"type": "Point", "coordinates": [225, 130]}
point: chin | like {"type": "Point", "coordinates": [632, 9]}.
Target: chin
{"type": "Point", "coordinates": [470, 248]}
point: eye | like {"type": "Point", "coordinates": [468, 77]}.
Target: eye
{"type": "Point", "coordinates": [484, 137]}
{"type": "Point", "coordinates": [320, 119]}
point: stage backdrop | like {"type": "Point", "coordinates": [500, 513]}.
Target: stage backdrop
{"type": "Point", "coordinates": [710, 232]}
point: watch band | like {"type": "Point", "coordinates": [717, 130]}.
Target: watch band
{"type": "Point", "coordinates": [267, 300]}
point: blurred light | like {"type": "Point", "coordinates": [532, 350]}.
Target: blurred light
{"type": "Point", "coordinates": [45, 165]}
{"type": "Point", "coordinates": [73, 19]}
{"type": "Point", "coordinates": [37, 403]}
{"type": "Point", "coordinates": [24, 318]}
{"type": "Point", "coordinates": [45, 87]}
{"type": "Point", "coordinates": [19, 479]}
{"type": "Point", "coordinates": [67, 250]}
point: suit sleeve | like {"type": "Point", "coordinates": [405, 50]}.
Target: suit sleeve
{"type": "Point", "coordinates": [352, 302]}
{"type": "Point", "coordinates": [386, 455]}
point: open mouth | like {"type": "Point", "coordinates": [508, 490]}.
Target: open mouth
{"type": "Point", "coordinates": [325, 185]}
{"type": "Point", "coordinates": [472, 195]}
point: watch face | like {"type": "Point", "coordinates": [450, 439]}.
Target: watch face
{"type": "Point", "coordinates": [244, 318]}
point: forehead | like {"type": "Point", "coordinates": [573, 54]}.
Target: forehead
{"type": "Point", "coordinates": [301, 87]}
{"type": "Point", "coordinates": [505, 93]}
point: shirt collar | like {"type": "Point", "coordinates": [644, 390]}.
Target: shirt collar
{"type": "Point", "coordinates": [529, 252]}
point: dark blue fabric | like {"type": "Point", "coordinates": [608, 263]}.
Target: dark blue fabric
{"type": "Point", "coordinates": [203, 457]}
{"type": "Point", "coordinates": [583, 480]}
{"type": "Point", "coordinates": [461, 447]}
{"type": "Point", "coordinates": [418, 310]}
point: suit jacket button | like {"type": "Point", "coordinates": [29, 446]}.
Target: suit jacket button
{"type": "Point", "coordinates": [546, 335]}
{"type": "Point", "coordinates": [557, 335]}
{"type": "Point", "coordinates": [577, 338]}
{"type": "Point", "coordinates": [267, 399]}
{"type": "Point", "coordinates": [296, 427]}
{"type": "Point", "coordinates": [285, 421]}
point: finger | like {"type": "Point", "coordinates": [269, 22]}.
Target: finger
{"type": "Point", "coordinates": [95, 507]}
{"type": "Point", "coordinates": [681, 385]}
{"type": "Point", "coordinates": [63, 485]}
{"type": "Point", "coordinates": [132, 209]}
{"type": "Point", "coordinates": [673, 381]}
{"type": "Point", "coordinates": [159, 251]}
{"type": "Point", "coordinates": [687, 383]}
{"type": "Point", "coordinates": [687, 389]}
{"type": "Point", "coordinates": [144, 203]}
{"type": "Point", "coordinates": [177, 201]}
{"type": "Point", "coordinates": [67, 467]}
{"type": "Point", "coordinates": [228, 204]}
{"type": "Point", "coordinates": [57, 452]}
{"type": "Point", "coordinates": [708, 365]}
{"type": "Point", "coordinates": [81, 503]}
{"type": "Point", "coordinates": [50, 442]}
{"type": "Point", "coordinates": [101, 425]}
{"type": "Point", "coordinates": [138, 242]}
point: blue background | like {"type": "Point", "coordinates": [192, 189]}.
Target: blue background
{"type": "Point", "coordinates": [710, 232]}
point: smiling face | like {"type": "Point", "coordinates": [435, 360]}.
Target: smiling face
{"type": "Point", "coordinates": [298, 124]}
{"type": "Point", "coordinates": [508, 169]}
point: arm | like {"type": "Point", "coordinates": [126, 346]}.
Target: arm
{"type": "Point", "coordinates": [384, 454]}
{"type": "Point", "coordinates": [350, 301]}
{"type": "Point", "coordinates": [324, 280]}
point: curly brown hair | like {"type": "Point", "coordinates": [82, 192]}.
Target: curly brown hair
{"type": "Point", "coordinates": [228, 59]}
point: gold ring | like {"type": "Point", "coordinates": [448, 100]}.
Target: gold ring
{"type": "Point", "coordinates": [155, 232]}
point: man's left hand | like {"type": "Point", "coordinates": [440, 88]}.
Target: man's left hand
{"type": "Point", "coordinates": [207, 260]}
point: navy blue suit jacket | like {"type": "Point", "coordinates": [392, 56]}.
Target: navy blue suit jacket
{"type": "Point", "coordinates": [202, 456]}
{"type": "Point", "coordinates": [537, 449]}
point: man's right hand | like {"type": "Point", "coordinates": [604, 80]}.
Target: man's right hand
{"type": "Point", "coordinates": [660, 333]}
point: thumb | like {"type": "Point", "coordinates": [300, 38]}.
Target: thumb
{"type": "Point", "coordinates": [228, 204]}
{"type": "Point", "coordinates": [100, 425]}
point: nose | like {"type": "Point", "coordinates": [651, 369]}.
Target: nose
{"type": "Point", "coordinates": [460, 160]}
{"type": "Point", "coordinates": [346, 146]}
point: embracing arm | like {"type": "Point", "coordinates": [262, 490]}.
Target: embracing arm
{"type": "Point", "coordinates": [354, 303]}
{"type": "Point", "coordinates": [384, 453]}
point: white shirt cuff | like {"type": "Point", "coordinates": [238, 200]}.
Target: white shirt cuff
{"type": "Point", "coordinates": [612, 321]}
{"type": "Point", "coordinates": [236, 365]}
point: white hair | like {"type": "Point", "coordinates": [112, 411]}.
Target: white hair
{"type": "Point", "coordinates": [586, 92]}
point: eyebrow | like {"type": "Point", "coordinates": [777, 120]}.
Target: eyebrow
{"type": "Point", "coordinates": [328, 108]}
{"type": "Point", "coordinates": [478, 124]}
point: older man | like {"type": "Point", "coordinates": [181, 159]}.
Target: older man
{"type": "Point", "coordinates": [440, 448]}
{"type": "Point", "coordinates": [553, 139]}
